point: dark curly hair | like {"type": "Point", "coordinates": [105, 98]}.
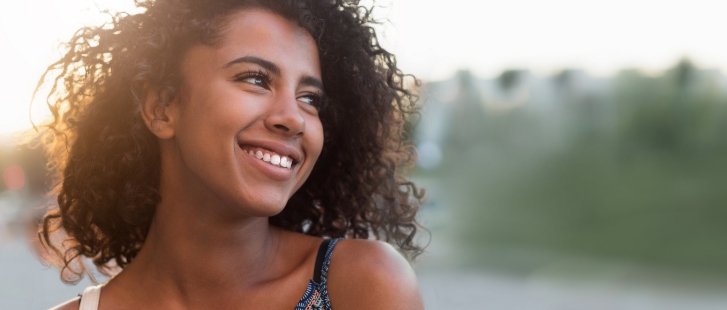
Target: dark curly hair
{"type": "Point", "coordinates": [107, 163]}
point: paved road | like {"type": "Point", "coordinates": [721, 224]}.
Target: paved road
{"type": "Point", "coordinates": [26, 284]}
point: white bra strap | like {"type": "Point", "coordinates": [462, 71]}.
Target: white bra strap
{"type": "Point", "coordinates": [90, 298]}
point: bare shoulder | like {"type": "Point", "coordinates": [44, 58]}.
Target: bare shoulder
{"type": "Point", "coordinates": [72, 304]}
{"type": "Point", "coordinates": [368, 274]}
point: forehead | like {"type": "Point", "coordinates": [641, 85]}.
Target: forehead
{"type": "Point", "coordinates": [260, 20]}
{"type": "Point", "coordinates": [265, 34]}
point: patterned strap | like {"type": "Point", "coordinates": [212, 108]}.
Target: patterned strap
{"type": "Point", "coordinates": [90, 298]}
{"type": "Point", "coordinates": [316, 294]}
{"type": "Point", "coordinates": [319, 260]}
{"type": "Point", "coordinates": [326, 260]}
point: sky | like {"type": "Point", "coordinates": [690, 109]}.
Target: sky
{"type": "Point", "coordinates": [432, 39]}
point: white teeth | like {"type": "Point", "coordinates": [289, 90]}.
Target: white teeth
{"type": "Point", "coordinates": [275, 159]}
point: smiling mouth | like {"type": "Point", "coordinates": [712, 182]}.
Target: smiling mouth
{"type": "Point", "coordinates": [269, 156]}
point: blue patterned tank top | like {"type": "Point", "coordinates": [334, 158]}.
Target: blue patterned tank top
{"type": "Point", "coordinates": [316, 295]}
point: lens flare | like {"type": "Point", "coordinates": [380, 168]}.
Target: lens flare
{"type": "Point", "coordinates": [14, 177]}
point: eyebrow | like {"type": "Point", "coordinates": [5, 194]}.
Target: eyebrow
{"type": "Point", "coordinates": [311, 81]}
{"type": "Point", "coordinates": [255, 60]}
{"type": "Point", "coordinates": [268, 65]}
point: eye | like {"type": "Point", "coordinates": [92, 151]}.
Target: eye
{"type": "Point", "coordinates": [257, 78]}
{"type": "Point", "coordinates": [254, 81]}
{"type": "Point", "coordinates": [315, 100]}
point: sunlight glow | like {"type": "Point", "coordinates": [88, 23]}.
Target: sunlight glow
{"type": "Point", "coordinates": [431, 39]}
{"type": "Point", "coordinates": [30, 34]}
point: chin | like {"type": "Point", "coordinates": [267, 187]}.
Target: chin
{"type": "Point", "coordinates": [264, 208]}
{"type": "Point", "coordinates": [271, 211]}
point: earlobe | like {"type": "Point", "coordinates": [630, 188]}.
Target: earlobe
{"type": "Point", "coordinates": [159, 118]}
{"type": "Point", "coordinates": [155, 110]}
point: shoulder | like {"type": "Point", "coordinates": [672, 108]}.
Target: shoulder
{"type": "Point", "coordinates": [72, 304]}
{"type": "Point", "coordinates": [368, 274]}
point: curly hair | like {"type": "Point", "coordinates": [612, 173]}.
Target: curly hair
{"type": "Point", "coordinates": [106, 163]}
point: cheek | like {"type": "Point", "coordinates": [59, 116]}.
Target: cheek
{"type": "Point", "coordinates": [219, 110]}
{"type": "Point", "coordinates": [316, 138]}
{"type": "Point", "coordinates": [205, 131]}
{"type": "Point", "coordinates": [202, 147]}
{"type": "Point", "coordinates": [201, 128]}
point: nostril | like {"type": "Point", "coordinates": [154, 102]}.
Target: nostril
{"type": "Point", "coordinates": [282, 127]}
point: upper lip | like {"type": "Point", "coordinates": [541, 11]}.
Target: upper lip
{"type": "Point", "coordinates": [277, 147]}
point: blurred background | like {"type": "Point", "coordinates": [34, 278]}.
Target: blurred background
{"type": "Point", "coordinates": [574, 152]}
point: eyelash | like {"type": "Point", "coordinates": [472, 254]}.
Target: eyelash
{"type": "Point", "coordinates": [319, 99]}
{"type": "Point", "coordinates": [264, 77]}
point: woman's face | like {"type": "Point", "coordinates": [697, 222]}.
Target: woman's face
{"type": "Point", "coordinates": [248, 129]}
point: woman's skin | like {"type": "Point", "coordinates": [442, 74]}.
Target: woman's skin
{"type": "Point", "coordinates": [210, 245]}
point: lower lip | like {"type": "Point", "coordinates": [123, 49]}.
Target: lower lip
{"type": "Point", "coordinates": [273, 172]}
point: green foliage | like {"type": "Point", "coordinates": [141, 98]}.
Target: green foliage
{"type": "Point", "coordinates": [634, 173]}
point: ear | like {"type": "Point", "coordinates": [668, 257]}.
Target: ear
{"type": "Point", "coordinates": [158, 112]}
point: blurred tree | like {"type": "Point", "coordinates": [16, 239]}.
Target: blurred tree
{"type": "Point", "coordinates": [639, 177]}
{"type": "Point", "coordinates": [468, 114]}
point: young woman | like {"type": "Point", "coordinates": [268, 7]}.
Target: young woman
{"type": "Point", "coordinates": [233, 154]}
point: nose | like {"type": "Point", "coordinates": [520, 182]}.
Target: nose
{"type": "Point", "coordinates": [285, 116]}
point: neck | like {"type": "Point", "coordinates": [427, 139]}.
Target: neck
{"type": "Point", "coordinates": [189, 258]}
{"type": "Point", "coordinates": [196, 245]}
{"type": "Point", "coordinates": [200, 250]}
